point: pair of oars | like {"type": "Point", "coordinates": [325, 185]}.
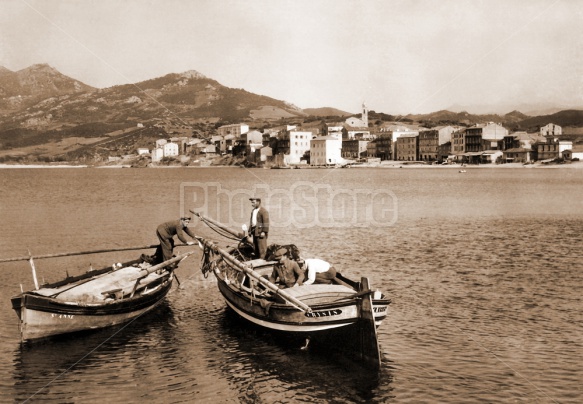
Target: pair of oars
{"type": "Point", "coordinates": [68, 254]}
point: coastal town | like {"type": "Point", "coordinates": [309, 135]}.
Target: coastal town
{"type": "Point", "coordinates": [355, 142]}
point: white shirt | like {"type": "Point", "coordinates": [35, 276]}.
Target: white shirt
{"type": "Point", "coordinates": [314, 266]}
{"type": "Point", "coordinates": [254, 217]}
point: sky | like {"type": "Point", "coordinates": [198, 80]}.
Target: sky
{"type": "Point", "coordinates": [397, 56]}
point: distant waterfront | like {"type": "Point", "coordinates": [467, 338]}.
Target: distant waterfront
{"type": "Point", "coordinates": [384, 164]}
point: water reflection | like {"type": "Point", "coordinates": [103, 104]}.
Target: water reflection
{"type": "Point", "coordinates": [46, 368]}
{"type": "Point", "coordinates": [260, 362]}
{"type": "Point", "coordinates": [484, 272]}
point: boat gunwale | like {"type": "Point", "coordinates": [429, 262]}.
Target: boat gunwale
{"type": "Point", "coordinates": [286, 308]}
{"type": "Point", "coordinates": [127, 305]}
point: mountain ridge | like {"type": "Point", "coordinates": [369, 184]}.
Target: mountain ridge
{"type": "Point", "coordinates": [39, 103]}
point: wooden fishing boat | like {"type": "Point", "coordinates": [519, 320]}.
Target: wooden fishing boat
{"type": "Point", "coordinates": [344, 314]}
{"type": "Point", "coordinates": [96, 299]}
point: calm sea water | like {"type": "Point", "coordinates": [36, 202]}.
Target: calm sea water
{"type": "Point", "coordinates": [484, 270]}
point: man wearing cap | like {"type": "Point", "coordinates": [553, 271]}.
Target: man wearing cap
{"type": "Point", "coordinates": [166, 232]}
{"type": "Point", "coordinates": [286, 272]}
{"type": "Point", "coordinates": [259, 227]}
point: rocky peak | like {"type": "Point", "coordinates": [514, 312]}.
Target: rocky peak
{"type": "Point", "coordinates": [193, 74]}
{"type": "Point", "coordinates": [41, 68]}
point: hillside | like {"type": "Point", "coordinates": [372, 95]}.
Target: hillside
{"type": "Point", "coordinates": [26, 87]}
{"type": "Point", "coordinates": [44, 113]}
{"type": "Point", "coordinates": [326, 111]}
{"type": "Point", "coordinates": [188, 95]}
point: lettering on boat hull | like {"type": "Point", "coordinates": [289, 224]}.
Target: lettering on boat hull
{"type": "Point", "coordinates": [324, 313]}
{"type": "Point", "coordinates": [68, 316]}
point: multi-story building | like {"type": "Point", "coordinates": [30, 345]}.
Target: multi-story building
{"type": "Point", "coordinates": [171, 149]}
{"type": "Point", "coordinates": [294, 144]}
{"type": "Point", "coordinates": [381, 147]}
{"type": "Point", "coordinates": [235, 129]}
{"type": "Point", "coordinates": [407, 147]}
{"type": "Point", "coordinates": [371, 149]}
{"type": "Point", "coordinates": [325, 150]}
{"type": "Point", "coordinates": [469, 145]}
{"type": "Point", "coordinates": [489, 134]}
{"type": "Point", "coordinates": [458, 146]}
{"type": "Point", "coordinates": [354, 149]}
{"type": "Point", "coordinates": [430, 141]}
{"type": "Point", "coordinates": [428, 145]}
{"type": "Point", "coordinates": [395, 134]}
{"type": "Point", "coordinates": [550, 148]}
{"type": "Point", "coordinates": [551, 130]}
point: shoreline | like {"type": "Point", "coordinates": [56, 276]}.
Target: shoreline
{"type": "Point", "coordinates": [43, 166]}
{"type": "Point", "coordinates": [390, 165]}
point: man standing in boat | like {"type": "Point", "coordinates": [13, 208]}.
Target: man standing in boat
{"type": "Point", "coordinates": [286, 272]}
{"type": "Point", "coordinates": [259, 227]}
{"type": "Point", "coordinates": [166, 232]}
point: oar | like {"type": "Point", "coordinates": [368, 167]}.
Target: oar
{"type": "Point", "coordinates": [219, 225]}
{"type": "Point", "coordinates": [67, 254]}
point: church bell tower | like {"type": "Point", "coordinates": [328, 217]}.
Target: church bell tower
{"type": "Point", "coordinates": [365, 114]}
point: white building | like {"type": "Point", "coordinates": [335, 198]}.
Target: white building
{"type": "Point", "coordinates": [157, 154]}
{"type": "Point", "coordinates": [171, 149]}
{"type": "Point", "coordinates": [143, 150]}
{"type": "Point", "coordinates": [326, 150]}
{"type": "Point", "coordinates": [299, 144]}
{"type": "Point", "coordinates": [445, 133]}
{"type": "Point", "coordinates": [551, 130]}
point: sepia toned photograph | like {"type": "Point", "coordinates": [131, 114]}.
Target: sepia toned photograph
{"type": "Point", "coordinates": [325, 201]}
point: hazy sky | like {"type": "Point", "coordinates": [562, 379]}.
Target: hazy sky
{"type": "Point", "coordinates": [397, 56]}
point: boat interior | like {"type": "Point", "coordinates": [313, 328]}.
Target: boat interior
{"type": "Point", "coordinates": [310, 294]}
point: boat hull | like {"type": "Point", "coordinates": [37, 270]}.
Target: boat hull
{"type": "Point", "coordinates": [283, 317]}
{"type": "Point", "coordinates": [344, 311]}
{"type": "Point", "coordinates": [43, 316]}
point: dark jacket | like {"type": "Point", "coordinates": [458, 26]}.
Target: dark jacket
{"type": "Point", "coordinates": [288, 272]}
{"type": "Point", "coordinates": [170, 229]}
{"type": "Point", "coordinates": [262, 222]}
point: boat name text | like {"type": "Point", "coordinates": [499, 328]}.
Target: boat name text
{"type": "Point", "coordinates": [69, 316]}
{"type": "Point", "coordinates": [325, 313]}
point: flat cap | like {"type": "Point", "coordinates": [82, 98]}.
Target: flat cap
{"type": "Point", "coordinates": [280, 253]}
